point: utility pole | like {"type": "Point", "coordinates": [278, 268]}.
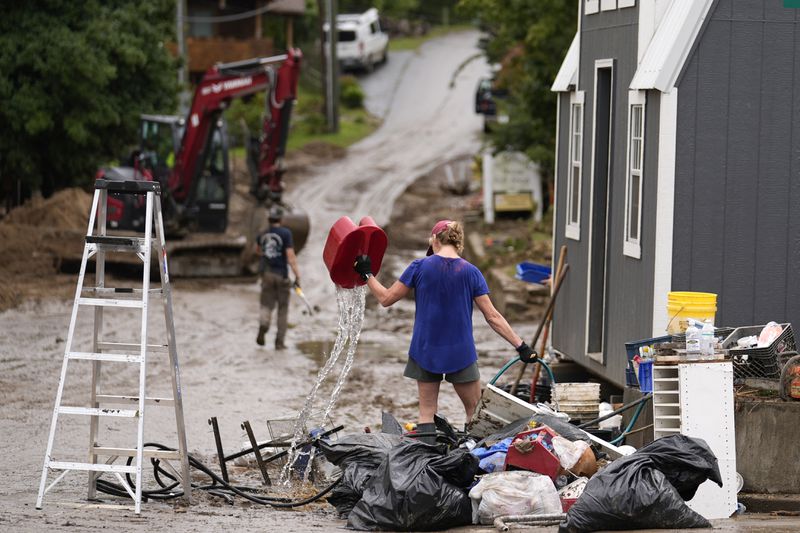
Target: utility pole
{"type": "Point", "coordinates": [332, 69]}
{"type": "Point", "coordinates": [183, 101]}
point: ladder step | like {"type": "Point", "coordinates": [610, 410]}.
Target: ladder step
{"type": "Point", "coordinates": [128, 186]}
{"type": "Point", "coordinates": [117, 244]}
{"type": "Point", "coordinates": [131, 452]}
{"type": "Point", "coordinates": [119, 290]}
{"type": "Point", "coordinates": [125, 400]}
{"type": "Point", "coordinates": [61, 465]}
{"type": "Point", "coordinates": [161, 348]}
{"type": "Point", "coordinates": [110, 302]}
{"type": "Point", "coordinates": [111, 357]}
{"type": "Point", "coordinates": [95, 411]}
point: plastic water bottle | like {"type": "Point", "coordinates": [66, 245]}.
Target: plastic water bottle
{"type": "Point", "coordinates": [693, 341]}
{"type": "Point", "coordinates": [707, 343]}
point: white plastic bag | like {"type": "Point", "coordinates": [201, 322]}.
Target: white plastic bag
{"type": "Point", "coordinates": [768, 335]}
{"type": "Point", "coordinates": [568, 452]}
{"type": "Point", "coordinates": [513, 493]}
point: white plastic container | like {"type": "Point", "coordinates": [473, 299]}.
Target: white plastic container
{"type": "Point", "coordinates": [693, 341]}
{"type": "Point", "coordinates": [707, 342]}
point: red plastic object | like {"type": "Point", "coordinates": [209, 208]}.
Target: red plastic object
{"type": "Point", "coordinates": [346, 241]}
{"type": "Point", "coordinates": [566, 503]}
{"type": "Point", "coordinates": [539, 458]}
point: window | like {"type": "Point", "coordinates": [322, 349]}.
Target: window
{"type": "Point", "coordinates": [633, 186]}
{"type": "Point", "coordinates": [575, 168]}
{"type": "Point", "coordinates": [608, 5]}
{"type": "Point", "coordinates": [626, 3]}
{"type": "Point", "coordinates": [592, 6]}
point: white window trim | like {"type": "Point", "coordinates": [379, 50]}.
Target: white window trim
{"type": "Point", "coordinates": [573, 230]}
{"type": "Point", "coordinates": [608, 5]}
{"type": "Point", "coordinates": [626, 3]}
{"type": "Point", "coordinates": [591, 7]}
{"type": "Point", "coordinates": [633, 247]}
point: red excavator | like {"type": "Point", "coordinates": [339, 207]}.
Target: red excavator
{"type": "Point", "coordinates": [189, 157]}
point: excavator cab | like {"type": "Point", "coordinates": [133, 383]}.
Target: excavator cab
{"type": "Point", "coordinates": [160, 141]}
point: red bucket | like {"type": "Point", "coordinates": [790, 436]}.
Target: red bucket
{"type": "Point", "coordinates": [346, 241]}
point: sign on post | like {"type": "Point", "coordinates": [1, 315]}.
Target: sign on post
{"type": "Point", "coordinates": [516, 184]}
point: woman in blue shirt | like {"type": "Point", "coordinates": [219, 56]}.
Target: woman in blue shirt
{"type": "Point", "coordinates": [442, 345]}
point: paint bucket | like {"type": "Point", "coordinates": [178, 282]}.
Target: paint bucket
{"type": "Point", "coordinates": [681, 306]}
{"type": "Point", "coordinates": [346, 241]}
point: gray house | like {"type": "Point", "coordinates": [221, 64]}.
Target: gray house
{"type": "Point", "coordinates": [676, 169]}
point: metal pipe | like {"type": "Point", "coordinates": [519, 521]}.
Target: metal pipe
{"type": "Point", "coordinates": [501, 522]}
{"type": "Point", "coordinates": [260, 460]}
{"type": "Point", "coordinates": [616, 412]}
{"type": "Point", "coordinates": [252, 62]}
{"type": "Point", "coordinates": [220, 453]}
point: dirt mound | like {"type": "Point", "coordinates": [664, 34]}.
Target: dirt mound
{"type": "Point", "coordinates": [34, 240]}
{"type": "Point", "coordinates": [66, 209]}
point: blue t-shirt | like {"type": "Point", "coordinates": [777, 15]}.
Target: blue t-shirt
{"type": "Point", "coordinates": [273, 244]}
{"type": "Point", "coordinates": [444, 289]}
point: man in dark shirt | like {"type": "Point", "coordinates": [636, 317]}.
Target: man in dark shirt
{"type": "Point", "coordinates": [276, 248]}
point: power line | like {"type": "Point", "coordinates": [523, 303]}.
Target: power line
{"type": "Point", "coordinates": [228, 18]}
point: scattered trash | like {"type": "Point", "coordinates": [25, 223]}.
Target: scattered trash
{"type": "Point", "coordinates": [647, 489]}
{"type": "Point", "coordinates": [513, 493]}
{"type": "Point", "coordinates": [533, 451]}
{"type": "Point", "coordinates": [576, 457]}
{"type": "Point", "coordinates": [570, 493]}
{"type": "Point", "coordinates": [493, 458]}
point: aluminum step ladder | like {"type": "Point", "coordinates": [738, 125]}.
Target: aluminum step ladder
{"type": "Point", "coordinates": [99, 297]}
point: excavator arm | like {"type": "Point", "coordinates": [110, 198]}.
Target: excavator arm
{"type": "Point", "coordinates": [221, 84]}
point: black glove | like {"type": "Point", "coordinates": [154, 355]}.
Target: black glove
{"type": "Point", "coordinates": [526, 353]}
{"type": "Point", "coordinates": [296, 283]}
{"type": "Point", "coordinates": [363, 266]}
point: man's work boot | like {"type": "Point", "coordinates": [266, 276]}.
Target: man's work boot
{"type": "Point", "coordinates": [279, 345]}
{"type": "Point", "coordinates": [262, 330]}
{"type": "Point", "coordinates": [430, 428]}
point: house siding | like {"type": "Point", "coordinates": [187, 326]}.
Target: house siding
{"type": "Point", "coordinates": [736, 231]}
{"type": "Point", "coordinates": [629, 282]}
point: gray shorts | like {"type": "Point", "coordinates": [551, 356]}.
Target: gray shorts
{"type": "Point", "coordinates": [465, 375]}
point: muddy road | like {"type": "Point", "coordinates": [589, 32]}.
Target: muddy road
{"type": "Point", "coordinates": [425, 100]}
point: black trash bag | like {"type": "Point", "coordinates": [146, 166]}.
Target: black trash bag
{"type": "Point", "coordinates": [646, 489]}
{"type": "Point", "coordinates": [417, 488]}
{"type": "Point", "coordinates": [368, 449]}
{"type": "Point", "coordinates": [358, 456]}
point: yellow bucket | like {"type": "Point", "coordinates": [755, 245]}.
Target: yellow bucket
{"type": "Point", "coordinates": [681, 306]}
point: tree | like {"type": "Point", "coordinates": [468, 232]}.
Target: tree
{"type": "Point", "coordinates": [529, 40]}
{"type": "Point", "coordinates": [75, 78]}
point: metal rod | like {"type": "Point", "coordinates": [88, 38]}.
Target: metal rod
{"type": "Point", "coordinates": [616, 411]}
{"type": "Point", "coordinates": [276, 443]}
{"type": "Point", "coordinates": [501, 522]}
{"type": "Point", "coordinates": [254, 443]}
{"type": "Point", "coordinates": [304, 443]}
{"type": "Point", "coordinates": [220, 453]}
{"type": "Point", "coordinates": [245, 63]}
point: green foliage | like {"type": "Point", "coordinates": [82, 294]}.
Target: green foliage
{"type": "Point", "coordinates": [388, 8]}
{"type": "Point", "coordinates": [249, 110]}
{"type": "Point", "coordinates": [75, 77]}
{"type": "Point", "coordinates": [529, 39]}
{"type": "Point", "coordinates": [350, 93]}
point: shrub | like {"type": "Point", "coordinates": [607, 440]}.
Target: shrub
{"type": "Point", "coordinates": [350, 93]}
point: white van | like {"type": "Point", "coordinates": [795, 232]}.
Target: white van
{"type": "Point", "coordinates": [361, 42]}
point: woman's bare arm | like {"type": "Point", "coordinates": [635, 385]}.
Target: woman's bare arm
{"type": "Point", "coordinates": [387, 297]}
{"type": "Point", "coordinates": [497, 322]}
